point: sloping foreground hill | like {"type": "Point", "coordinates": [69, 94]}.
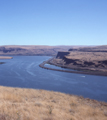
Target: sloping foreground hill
{"type": "Point", "coordinates": [32, 50]}
{"type": "Point", "coordinates": [30, 104]}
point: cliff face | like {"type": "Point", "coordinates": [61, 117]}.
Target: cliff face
{"type": "Point", "coordinates": [74, 57]}
{"type": "Point", "coordinates": [85, 63]}
{"type": "Point", "coordinates": [91, 61]}
{"type": "Point", "coordinates": [62, 54]}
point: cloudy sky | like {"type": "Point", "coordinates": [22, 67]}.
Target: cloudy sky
{"type": "Point", "coordinates": [53, 22]}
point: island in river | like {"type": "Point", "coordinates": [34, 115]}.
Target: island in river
{"type": "Point", "coordinates": [5, 57]}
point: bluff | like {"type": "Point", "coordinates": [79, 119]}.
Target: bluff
{"type": "Point", "coordinates": [91, 59]}
{"type": "Point", "coordinates": [62, 54]}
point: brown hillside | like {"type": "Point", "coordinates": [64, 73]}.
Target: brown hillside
{"type": "Point", "coordinates": [85, 59]}
{"type": "Point", "coordinates": [33, 50]}
{"type": "Point", "coordinates": [30, 104]}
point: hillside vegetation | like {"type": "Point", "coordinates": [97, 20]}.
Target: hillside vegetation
{"type": "Point", "coordinates": [30, 104]}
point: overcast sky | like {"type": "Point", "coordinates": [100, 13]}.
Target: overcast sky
{"type": "Point", "coordinates": [53, 22]}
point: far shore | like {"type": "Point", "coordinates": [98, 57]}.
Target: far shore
{"type": "Point", "coordinates": [79, 71]}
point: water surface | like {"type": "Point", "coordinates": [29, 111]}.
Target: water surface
{"type": "Point", "coordinates": [24, 72]}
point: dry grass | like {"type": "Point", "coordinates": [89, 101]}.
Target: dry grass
{"type": "Point", "coordinates": [29, 104]}
{"type": "Point", "coordinates": [88, 56]}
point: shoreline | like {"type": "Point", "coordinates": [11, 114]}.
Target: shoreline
{"type": "Point", "coordinates": [77, 72]}
{"type": "Point", "coordinates": [5, 57]}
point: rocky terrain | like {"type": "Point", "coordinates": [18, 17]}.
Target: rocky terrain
{"type": "Point", "coordinates": [85, 59]}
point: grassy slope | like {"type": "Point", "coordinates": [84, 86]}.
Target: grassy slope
{"type": "Point", "coordinates": [88, 56]}
{"type": "Point", "coordinates": [30, 104]}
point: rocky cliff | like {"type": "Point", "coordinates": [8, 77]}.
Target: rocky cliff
{"type": "Point", "coordinates": [62, 54]}
{"type": "Point", "coordinates": [92, 61]}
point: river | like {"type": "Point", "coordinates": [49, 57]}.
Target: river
{"type": "Point", "coordinates": [24, 72]}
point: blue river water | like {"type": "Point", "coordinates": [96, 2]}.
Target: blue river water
{"type": "Point", "coordinates": [24, 72]}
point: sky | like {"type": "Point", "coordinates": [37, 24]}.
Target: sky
{"type": "Point", "coordinates": [53, 22]}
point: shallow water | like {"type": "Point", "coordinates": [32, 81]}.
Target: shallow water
{"type": "Point", "coordinates": [56, 67]}
{"type": "Point", "coordinates": [24, 72]}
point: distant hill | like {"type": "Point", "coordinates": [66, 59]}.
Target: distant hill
{"type": "Point", "coordinates": [91, 49]}
{"type": "Point", "coordinates": [33, 50]}
{"type": "Point", "coordinates": [46, 50]}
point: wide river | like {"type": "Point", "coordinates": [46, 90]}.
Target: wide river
{"type": "Point", "coordinates": [24, 72]}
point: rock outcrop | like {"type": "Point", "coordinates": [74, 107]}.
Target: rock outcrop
{"type": "Point", "coordinates": [91, 61]}
{"type": "Point", "coordinates": [62, 54]}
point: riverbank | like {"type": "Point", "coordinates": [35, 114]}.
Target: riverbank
{"type": "Point", "coordinates": [78, 71]}
{"type": "Point", "coordinates": [5, 57]}
{"type": "Point", "coordinates": [30, 104]}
